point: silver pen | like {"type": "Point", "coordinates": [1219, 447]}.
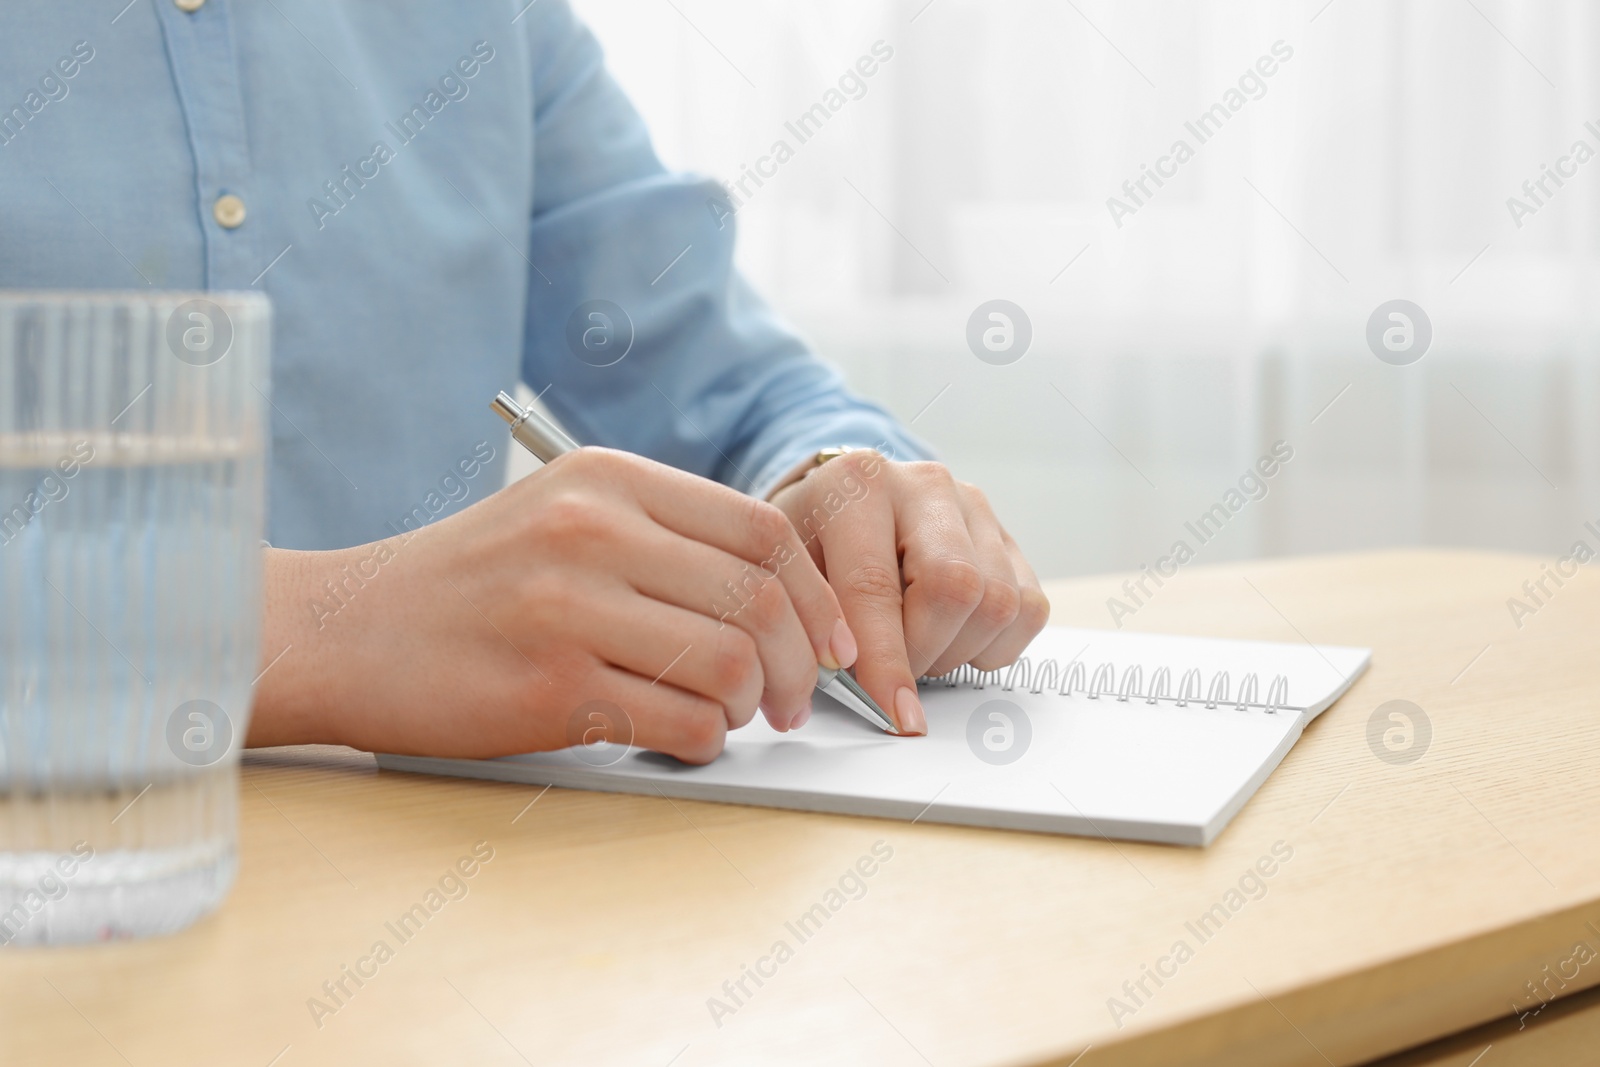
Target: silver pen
{"type": "Point", "coordinates": [546, 440]}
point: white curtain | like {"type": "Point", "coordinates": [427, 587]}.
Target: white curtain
{"type": "Point", "coordinates": [1229, 308]}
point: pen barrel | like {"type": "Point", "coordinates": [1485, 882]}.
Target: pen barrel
{"type": "Point", "coordinates": [532, 430]}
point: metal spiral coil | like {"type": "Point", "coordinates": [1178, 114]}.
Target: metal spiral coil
{"type": "Point", "coordinates": [1076, 677]}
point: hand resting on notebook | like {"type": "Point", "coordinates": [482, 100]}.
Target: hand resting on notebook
{"type": "Point", "coordinates": [928, 577]}
{"type": "Point", "coordinates": [609, 577]}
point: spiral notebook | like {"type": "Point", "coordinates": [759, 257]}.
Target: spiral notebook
{"type": "Point", "coordinates": [1097, 733]}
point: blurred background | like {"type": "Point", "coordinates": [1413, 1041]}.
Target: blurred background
{"type": "Point", "coordinates": [1229, 309]}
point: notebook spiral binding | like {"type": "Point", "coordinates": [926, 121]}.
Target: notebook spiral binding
{"type": "Point", "coordinates": [1102, 682]}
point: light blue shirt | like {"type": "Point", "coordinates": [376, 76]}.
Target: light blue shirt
{"type": "Point", "coordinates": [435, 195]}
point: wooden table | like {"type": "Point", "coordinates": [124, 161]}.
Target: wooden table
{"type": "Point", "coordinates": [1419, 898]}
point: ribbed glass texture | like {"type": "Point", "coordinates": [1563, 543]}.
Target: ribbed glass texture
{"type": "Point", "coordinates": [132, 438]}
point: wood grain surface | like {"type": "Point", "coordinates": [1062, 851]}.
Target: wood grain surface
{"type": "Point", "coordinates": [1420, 899]}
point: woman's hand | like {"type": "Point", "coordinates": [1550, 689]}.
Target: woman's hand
{"type": "Point", "coordinates": [928, 578]}
{"type": "Point", "coordinates": [604, 578]}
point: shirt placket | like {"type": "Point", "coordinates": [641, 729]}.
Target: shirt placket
{"type": "Point", "coordinates": [205, 73]}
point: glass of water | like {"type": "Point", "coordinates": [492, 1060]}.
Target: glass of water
{"type": "Point", "coordinates": [132, 433]}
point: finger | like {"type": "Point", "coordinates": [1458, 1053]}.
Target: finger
{"type": "Point", "coordinates": [659, 717]}
{"type": "Point", "coordinates": [1033, 612]}
{"type": "Point", "coordinates": [699, 578]}
{"type": "Point", "coordinates": [863, 566]}
{"type": "Point", "coordinates": [662, 643]}
{"type": "Point", "coordinates": [943, 581]}
{"type": "Point", "coordinates": [1001, 601]}
{"type": "Point", "coordinates": [743, 526]}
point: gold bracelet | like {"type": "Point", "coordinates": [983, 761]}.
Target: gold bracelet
{"type": "Point", "coordinates": [825, 454]}
{"type": "Point", "coordinates": [821, 456]}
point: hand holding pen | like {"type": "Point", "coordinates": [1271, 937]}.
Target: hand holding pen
{"type": "Point", "coordinates": [548, 442]}
{"type": "Point", "coordinates": [592, 592]}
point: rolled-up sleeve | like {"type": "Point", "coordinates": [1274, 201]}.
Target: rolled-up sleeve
{"type": "Point", "coordinates": [640, 332]}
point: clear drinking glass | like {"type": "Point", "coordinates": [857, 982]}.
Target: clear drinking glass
{"type": "Point", "coordinates": [132, 433]}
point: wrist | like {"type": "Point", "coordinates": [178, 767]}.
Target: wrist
{"type": "Point", "coordinates": [296, 698]}
{"type": "Point", "coordinates": [806, 466]}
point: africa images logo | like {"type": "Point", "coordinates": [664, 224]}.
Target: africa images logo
{"type": "Point", "coordinates": [1399, 332]}
{"type": "Point", "coordinates": [999, 332]}
{"type": "Point", "coordinates": [998, 732]}
{"type": "Point", "coordinates": [599, 332]}
{"type": "Point", "coordinates": [199, 732]}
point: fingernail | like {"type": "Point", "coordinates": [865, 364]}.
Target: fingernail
{"type": "Point", "coordinates": [908, 710]}
{"type": "Point", "coordinates": [843, 646]}
{"type": "Point", "coordinates": [801, 719]}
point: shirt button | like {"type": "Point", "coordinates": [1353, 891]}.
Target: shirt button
{"type": "Point", "coordinates": [191, 6]}
{"type": "Point", "coordinates": [229, 209]}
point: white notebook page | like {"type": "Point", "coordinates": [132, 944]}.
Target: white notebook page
{"type": "Point", "coordinates": [1070, 764]}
